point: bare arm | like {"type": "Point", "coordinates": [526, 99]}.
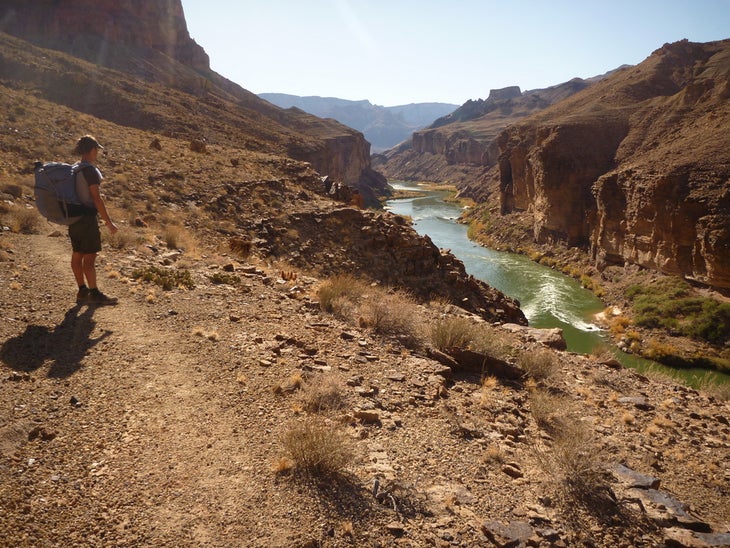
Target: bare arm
{"type": "Point", "coordinates": [101, 208]}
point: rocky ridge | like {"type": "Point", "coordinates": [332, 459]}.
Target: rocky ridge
{"type": "Point", "coordinates": [383, 127]}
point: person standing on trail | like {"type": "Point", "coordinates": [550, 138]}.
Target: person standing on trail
{"type": "Point", "coordinates": [85, 234]}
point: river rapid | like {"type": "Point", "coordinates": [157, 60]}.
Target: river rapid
{"type": "Point", "coordinates": [547, 298]}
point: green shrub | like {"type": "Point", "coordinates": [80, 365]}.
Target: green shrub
{"type": "Point", "coordinates": [167, 278]}
{"type": "Point", "coordinates": [670, 304]}
{"type": "Point", "coordinates": [223, 278]}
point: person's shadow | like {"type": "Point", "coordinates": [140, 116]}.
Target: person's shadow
{"type": "Point", "coordinates": [64, 345]}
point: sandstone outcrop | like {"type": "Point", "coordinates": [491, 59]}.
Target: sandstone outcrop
{"type": "Point", "coordinates": [636, 168]}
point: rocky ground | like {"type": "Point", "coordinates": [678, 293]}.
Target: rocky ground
{"type": "Point", "coordinates": [160, 422]}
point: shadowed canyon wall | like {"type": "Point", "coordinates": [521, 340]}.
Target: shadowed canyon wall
{"type": "Point", "coordinates": [636, 168]}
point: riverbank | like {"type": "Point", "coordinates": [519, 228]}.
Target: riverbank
{"type": "Point", "coordinates": [635, 298]}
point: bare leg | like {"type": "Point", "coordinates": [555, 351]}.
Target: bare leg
{"type": "Point", "coordinates": [89, 269]}
{"type": "Point", "coordinates": [77, 267]}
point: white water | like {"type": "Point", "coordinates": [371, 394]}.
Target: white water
{"type": "Point", "coordinates": [547, 298]}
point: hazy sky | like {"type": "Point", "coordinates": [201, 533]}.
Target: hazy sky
{"type": "Point", "coordinates": [395, 52]}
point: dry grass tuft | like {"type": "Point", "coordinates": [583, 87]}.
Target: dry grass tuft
{"type": "Point", "coordinates": [283, 465]}
{"type": "Point", "coordinates": [391, 313]}
{"type": "Point", "coordinates": [318, 449]}
{"type": "Point", "coordinates": [340, 295]}
{"type": "Point", "coordinates": [386, 312]}
{"type": "Point", "coordinates": [579, 463]}
{"type": "Point", "coordinates": [539, 364]}
{"type": "Point", "coordinates": [452, 332]}
{"type": "Point", "coordinates": [575, 463]}
{"type": "Point", "coordinates": [294, 383]}
{"type": "Point", "coordinates": [325, 393]}
{"type": "Point", "coordinates": [494, 455]}
{"type": "Point", "coordinates": [123, 239]}
{"type": "Point", "coordinates": [24, 220]}
{"type": "Point", "coordinates": [551, 412]}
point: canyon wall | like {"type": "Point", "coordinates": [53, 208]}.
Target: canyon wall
{"type": "Point", "coordinates": [635, 168]}
{"type": "Point", "coordinates": [86, 28]}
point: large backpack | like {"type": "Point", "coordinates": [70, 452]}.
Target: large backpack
{"type": "Point", "coordinates": [55, 190]}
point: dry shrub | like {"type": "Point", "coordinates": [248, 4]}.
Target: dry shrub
{"type": "Point", "coordinates": [340, 295]}
{"type": "Point", "coordinates": [539, 364]}
{"type": "Point", "coordinates": [577, 463]}
{"type": "Point", "coordinates": [486, 340]}
{"type": "Point", "coordinates": [494, 455]}
{"type": "Point", "coordinates": [241, 247]}
{"type": "Point", "coordinates": [282, 465]}
{"type": "Point", "coordinates": [452, 332]}
{"type": "Point", "coordinates": [294, 383]}
{"type": "Point", "coordinates": [325, 393]}
{"type": "Point", "coordinates": [24, 220]}
{"type": "Point", "coordinates": [550, 411]}
{"type": "Point", "coordinates": [16, 191]}
{"type": "Point", "coordinates": [318, 449]}
{"type": "Point", "coordinates": [618, 324]}
{"type": "Point", "coordinates": [573, 460]}
{"type": "Point", "coordinates": [173, 237]}
{"type": "Point", "coordinates": [391, 313]}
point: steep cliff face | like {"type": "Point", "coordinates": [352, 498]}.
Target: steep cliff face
{"type": "Point", "coordinates": [636, 168]}
{"type": "Point", "coordinates": [150, 40]}
{"type": "Point", "coordinates": [87, 28]}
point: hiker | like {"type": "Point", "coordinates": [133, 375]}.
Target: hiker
{"type": "Point", "coordinates": [85, 234]}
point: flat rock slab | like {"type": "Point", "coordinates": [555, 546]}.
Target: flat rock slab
{"type": "Point", "coordinates": [684, 538]}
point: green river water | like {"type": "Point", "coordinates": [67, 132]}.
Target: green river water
{"type": "Point", "coordinates": [547, 298]}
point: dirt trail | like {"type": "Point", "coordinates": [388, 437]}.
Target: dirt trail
{"type": "Point", "coordinates": [150, 446]}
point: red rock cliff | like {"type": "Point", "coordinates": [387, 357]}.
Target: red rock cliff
{"type": "Point", "coordinates": [637, 167]}
{"type": "Point", "coordinates": [82, 26]}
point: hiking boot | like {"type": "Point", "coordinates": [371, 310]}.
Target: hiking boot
{"type": "Point", "coordinates": [98, 298]}
{"type": "Point", "coordinates": [83, 295]}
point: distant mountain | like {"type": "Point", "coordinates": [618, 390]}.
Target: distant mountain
{"type": "Point", "coordinates": [383, 127]}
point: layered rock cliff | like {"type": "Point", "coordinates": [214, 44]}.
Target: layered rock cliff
{"type": "Point", "coordinates": [127, 39]}
{"type": "Point", "coordinates": [635, 168]}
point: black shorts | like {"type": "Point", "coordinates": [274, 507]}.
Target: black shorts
{"type": "Point", "coordinates": [85, 235]}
